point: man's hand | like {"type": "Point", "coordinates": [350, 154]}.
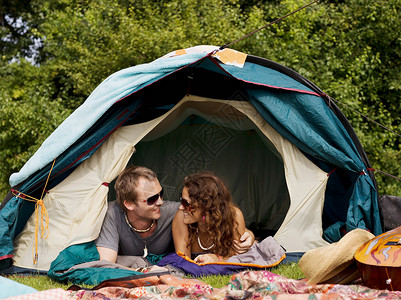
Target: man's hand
{"type": "Point", "coordinates": [245, 242]}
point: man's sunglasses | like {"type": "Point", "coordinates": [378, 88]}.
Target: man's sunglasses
{"type": "Point", "coordinates": [186, 204]}
{"type": "Point", "coordinates": [153, 199]}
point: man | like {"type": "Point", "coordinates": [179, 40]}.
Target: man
{"type": "Point", "coordinates": [139, 223]}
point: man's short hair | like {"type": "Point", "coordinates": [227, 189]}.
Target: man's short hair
{"type": "Point", "coordinates": [127, 182]}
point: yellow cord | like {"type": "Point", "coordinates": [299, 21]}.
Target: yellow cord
{"type": "Point", "coordinates": [44, 216]}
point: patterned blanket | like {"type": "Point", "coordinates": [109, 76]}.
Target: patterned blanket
{"type": "Point", "coordinates": [244, 285]}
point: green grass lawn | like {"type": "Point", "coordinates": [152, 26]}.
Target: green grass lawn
{"type": "Point", "coordinates": [40, 282]}
{"type": "Point", "coordinates": [290, 270]}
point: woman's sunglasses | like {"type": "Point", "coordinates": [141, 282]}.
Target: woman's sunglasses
{"type": "Point", "coordinates": [186, 204]}
{"type": "Point", "coordinates": [153, 199]}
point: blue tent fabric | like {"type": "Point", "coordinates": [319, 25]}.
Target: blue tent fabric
{"type": "Point", "coordinates": [290, 114]}
{"type": "Point", "coordinates": [114, 88]}
{"type": "Point", "coordinates": [272, 78]}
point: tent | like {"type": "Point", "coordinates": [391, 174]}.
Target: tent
{"type": "Point", "coordinates": [291, 159]}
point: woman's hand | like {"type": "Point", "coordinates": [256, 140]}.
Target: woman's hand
{"type": "Point", "coordinates": [207, 258]}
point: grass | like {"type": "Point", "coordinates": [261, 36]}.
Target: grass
{"type": "Point", "coordinates": [290, 270]}
{"type": "Point", "coordinates": [40, 282]}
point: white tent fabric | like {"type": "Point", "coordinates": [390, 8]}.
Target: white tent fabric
{"type": "Point", "coordinates": [78, 204]}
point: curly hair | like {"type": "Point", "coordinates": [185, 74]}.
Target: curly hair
{"type": "Point", "coordinates": [209, 194]}
{"type": "Point", "coordinates": [127, 182]}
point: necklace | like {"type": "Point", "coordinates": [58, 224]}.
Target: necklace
{"type": "Point", "coordinates": [145, 249]}
{"type": "Point", "coordinates": [200, 244]}
{"type": "Point", "coordinates": [138, 230]}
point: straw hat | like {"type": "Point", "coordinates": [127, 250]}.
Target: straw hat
{"type": "Point", "coordinates": [334, 263]}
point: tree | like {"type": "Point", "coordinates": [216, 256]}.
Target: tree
{"type": "Point", "coordinates": [83, 43]}
{"type": "Point", "coordinates": [350, 49]}
{"type": "Point", "coordinates": [28, 115]}
{"type": "Point", "coordinates": [17, 22]}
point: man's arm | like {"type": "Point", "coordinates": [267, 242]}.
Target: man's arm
{"type": "Point", "coordinates": [247, 238]}
{"type": "Point", "coordinates": [107, 254]}
{"type": "Point", "coordinates": [109, 236]}
{"type": "Point", "coordinates": [245, 242]}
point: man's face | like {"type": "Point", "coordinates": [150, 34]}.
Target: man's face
{"type": "Point", "coordinates": [141, 209]}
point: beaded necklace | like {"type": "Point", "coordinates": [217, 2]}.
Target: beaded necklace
{"type": "Point", "coordinates": [145, 248]}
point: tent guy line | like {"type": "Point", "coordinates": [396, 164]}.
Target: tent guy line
{"type": "Point", "coordinates": [377, 123]}
{"type": "Point", "coordinates": [271, 23]}
{"type": "Point", "coordinates": [366, 117]}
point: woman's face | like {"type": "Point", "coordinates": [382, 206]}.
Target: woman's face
{"type": "Point", "coordinates": [191, 213]}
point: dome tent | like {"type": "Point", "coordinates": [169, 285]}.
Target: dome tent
{"type": "Point", "coordinates": [291, 159]}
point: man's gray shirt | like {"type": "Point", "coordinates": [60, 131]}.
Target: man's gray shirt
{"type": "Point", "coordinates": [117, 235]}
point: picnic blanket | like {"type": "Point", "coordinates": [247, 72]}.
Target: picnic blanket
{"type": "Point", "coordinates": [243, 285]}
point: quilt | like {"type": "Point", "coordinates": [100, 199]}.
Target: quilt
{"type": "Point", "coordinates": [244, 285]}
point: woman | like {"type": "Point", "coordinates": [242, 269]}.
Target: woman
{"type": "Point", "coordinates": [207, 220]}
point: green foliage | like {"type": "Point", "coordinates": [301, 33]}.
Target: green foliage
{"type": "Point", "coordinates": [350, 49]}
{"type": "Point", "coordinates": [29, 114]}
{"type": "Point", "coordinates": [89, 41]}
{"type": "Point", "coordinates": [15, 29]}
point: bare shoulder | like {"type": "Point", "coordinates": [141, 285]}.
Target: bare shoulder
{"type": "Point", "coordinates": [239, 217]}
{"type": "Point", "coordinates": [238, 212]}
{"type": "Point", "coordinates": [179, 228]}
{"type": "Point", "coordinates": [178, 217]}
{"type": "Point", "coordinates": [181, 234]}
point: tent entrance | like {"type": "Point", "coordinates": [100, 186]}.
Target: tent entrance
{"type": "Point", "coordinates": [215, 136]}
{"type": "Point", "coordinates": [278, 189]}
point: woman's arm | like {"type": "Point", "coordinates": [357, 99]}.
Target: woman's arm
{"type": "Point", "coordinates": [181, 234]}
